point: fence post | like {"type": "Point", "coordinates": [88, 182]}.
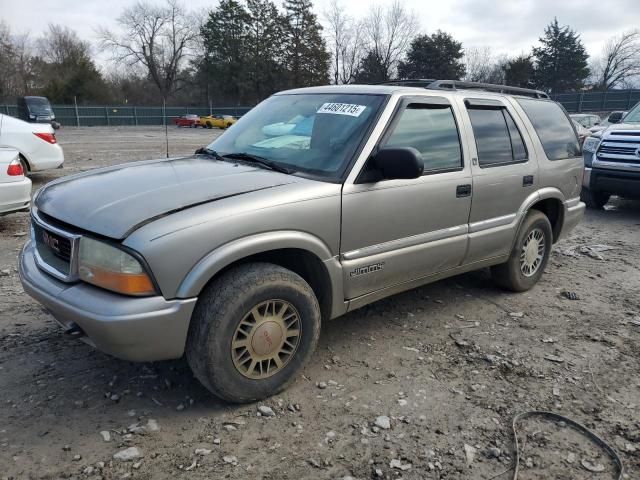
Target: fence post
{"type": "Point", "coordinates": [629, 99]}
{"type": "Point", "coordinates": [580, 102]}
{"type": "Point", "coordinates": [604, 101]}
{"type": "Point", "coordinates": [135, 115]}
{"type": "Point", "coordinates": [106, 113]}
{"type": "Point", "coordinates": [6, 109]}
{"type": "Point", "coordinates": [75, 106]}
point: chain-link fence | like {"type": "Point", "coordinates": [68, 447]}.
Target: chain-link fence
{"type": "Point", "coordinates": [598, 101]}
{"type": "Point", "coordinates": [82, 116]}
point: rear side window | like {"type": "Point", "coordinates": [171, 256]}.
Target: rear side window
{"type": "Point", "coordinates": [553, 128]}
{"type": "Point", "coordinates": [432, 130]}
{"type": "Point", "coordinates": [498, 139]}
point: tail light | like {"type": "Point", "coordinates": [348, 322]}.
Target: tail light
{"type": "Point", "coordinates": [15, 168]}
{"type": "Point", "coordinates": [47, 137]}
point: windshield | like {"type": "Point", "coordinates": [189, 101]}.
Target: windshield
{"type": "Point", "coordinates": [39, 106]}
{"type": "Point", "coordinates": [313, 133]}
{"type": "Point", "coordinates": [634, 115]}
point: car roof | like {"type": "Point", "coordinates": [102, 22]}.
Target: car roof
{"type": "Point", "coordinates": [399, 90]}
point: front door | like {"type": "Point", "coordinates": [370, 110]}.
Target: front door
{"type": "Point", "coordinates": [395, 231]}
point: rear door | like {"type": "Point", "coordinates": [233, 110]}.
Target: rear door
{"type": "Point", "coordinates": [395, 231]}
{"type": "Point", "coordinates": [504, 175]}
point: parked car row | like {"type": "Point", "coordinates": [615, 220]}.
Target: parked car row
{"type": "Point", "coordinates": [24, 148]}
{"type": "Point", "coordinates": [205, 121]}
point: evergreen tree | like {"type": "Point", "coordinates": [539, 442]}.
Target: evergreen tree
{"type": "Point", "coordinates": [371, 69]}
{"type": "Point", "coordinates": [306, 55]}
{"type": "Point", "coordinates": [225, 37]}
{"type": "Point", "coordinates": [561, 60]}
{"type": "Point", "coordinates": [265, 48]}
{"type": "Point", "coordinates": [519, 72]}
{"type": "Point", "coordinates": [438, 56]}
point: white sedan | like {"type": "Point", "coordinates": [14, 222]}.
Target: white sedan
{"type": "Point", "coordinates": [15, 188]}
{"type": "Point", "coordinates": [35, 142]}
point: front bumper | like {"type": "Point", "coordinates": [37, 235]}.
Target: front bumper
{"type": "Point", "coordinates": [624, 183]}
{"type": "Point", "coordinates": [131, 328]}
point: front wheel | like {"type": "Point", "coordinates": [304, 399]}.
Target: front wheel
{"type": "Point", "coordinates": [251, 332]}
{"type": "Point", "coordinates": [593, 199]}
{"type": "Point", "coordinates": [529, 255]}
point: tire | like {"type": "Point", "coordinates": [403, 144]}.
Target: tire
{"type": "Point", "coordinates": [594, 199]}
{"type": "Point", "coordinates": [511, 275]}
{"type": "Point", "coordinates": [225, 308]}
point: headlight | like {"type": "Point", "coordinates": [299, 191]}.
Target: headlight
{"type": "Point", "coordinates": [591, 144]}
{"type": "Point", "coordinates": [112, 268]}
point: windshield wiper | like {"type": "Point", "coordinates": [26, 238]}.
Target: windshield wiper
{"type": "Point", "coordinates": [208, 151]}
{"type": "Point", "coordinates": [259, 160]}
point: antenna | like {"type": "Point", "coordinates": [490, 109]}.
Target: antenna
{"type": "Point", "coordinates": [166, 126]}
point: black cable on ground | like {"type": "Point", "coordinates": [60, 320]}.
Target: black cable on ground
{"type": "Point", "coordinates": [571, 423]}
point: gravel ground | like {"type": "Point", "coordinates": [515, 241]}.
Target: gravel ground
{"type": "Point", "coordinates": [442, 370]}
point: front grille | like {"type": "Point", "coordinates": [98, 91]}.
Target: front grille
{"type": "Point", "coordinates": [617, 150]}
{"type": "Point", "coordinates": [626, 134]}
{"type": "Point", "coordinates": [55, 249]}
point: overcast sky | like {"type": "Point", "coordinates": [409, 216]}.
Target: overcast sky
{"type": "Point", "coordinates": [507, 26]}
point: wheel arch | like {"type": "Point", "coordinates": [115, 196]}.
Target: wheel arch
{"type": "Point", "coordinates": [549, 201]}
{"type": "Point", "coordinates": [299, 252]}
{"type": "Point", "coordinates": [25, 159]}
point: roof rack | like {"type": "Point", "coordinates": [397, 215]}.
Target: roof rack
{"type": "Point", "coordinates": [462, 85]}
{"type": "Point", "coordinates": [416, 82]}
{"type": "Point", "coordinates": [489, 87]}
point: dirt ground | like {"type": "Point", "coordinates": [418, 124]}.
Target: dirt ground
{"type": "Point", "coordinates": [449, 364]}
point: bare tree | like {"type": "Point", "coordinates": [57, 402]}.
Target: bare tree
{"type": "Point", "coordinates": [619, 62]}
{"type": "Point", "coordinates": [389, 33]}
{"type": "Point", "coordinates": [482, 66]}
{"type": "Point", "coordinates": [478, 62]}
{"type": "Point", "coordinates": [346, 42]}
{"type": "Point", "coordinates": [61, 44]}
{"type": "Point", "coordinates": [16, 66]}
{"type": "Point", "coordinates": [158, 37]}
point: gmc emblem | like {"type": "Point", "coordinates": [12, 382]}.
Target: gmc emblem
{"type": "Point", "coordinates": [50, 241]}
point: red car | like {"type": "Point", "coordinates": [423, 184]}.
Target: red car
{"type": "Point", "coordinates": [191, 121]}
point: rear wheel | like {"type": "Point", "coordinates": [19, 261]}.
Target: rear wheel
{"type": "Point", "coordinates": [594, 199]}
{"type": "Point", "coordinates": [251, 332]}
{"type": "Point", "coordinates": [529, 256]}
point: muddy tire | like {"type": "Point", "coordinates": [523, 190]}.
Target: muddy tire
{"type": "Point", "coordinates": [529, 255]}
{"type": "Point", "coordinates": [251, 332]}
{"type": "Point", "coordinates": [595, 200]}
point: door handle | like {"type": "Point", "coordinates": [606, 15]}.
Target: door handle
{"type": "Point", "coordinates": [463, 190]}
{"type": "Point", "coordinates": [527, 180]}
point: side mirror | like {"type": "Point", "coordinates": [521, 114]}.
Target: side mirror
{"type": "Point", "coordinates": [398, 163]}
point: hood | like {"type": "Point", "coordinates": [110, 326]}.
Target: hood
{"type": "Point", "coordinates": [615, 127]}
{"type": "Point", "coordinates": [115, 201]}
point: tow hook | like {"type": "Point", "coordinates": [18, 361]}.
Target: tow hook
{"type": "Point", "coordinates": [74, 331]}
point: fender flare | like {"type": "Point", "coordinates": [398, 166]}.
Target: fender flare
{"type": "Point", "coordinates": [541, 194]}
{"type": "Point", "coordinates": [223, 256]}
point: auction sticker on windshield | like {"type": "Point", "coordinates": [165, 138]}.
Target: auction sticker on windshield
{"type": "Point", "coordinates": [342, 109]}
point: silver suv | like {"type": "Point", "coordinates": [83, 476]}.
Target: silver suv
{"type": "Point", "coordinates": [612, 161]}
{"type": "Point", "coordinates": [317, 202]}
